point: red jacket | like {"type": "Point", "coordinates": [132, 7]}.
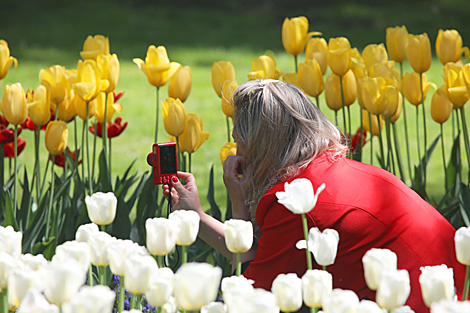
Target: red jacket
{"type": "Point", "coordinates": [370, 208]}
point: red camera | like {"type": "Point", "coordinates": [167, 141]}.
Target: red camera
{"type": "Point", "coordinates": [164, 162]}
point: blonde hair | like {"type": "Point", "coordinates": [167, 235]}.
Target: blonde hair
{"type": "Point", "coordinates": [281, 132]}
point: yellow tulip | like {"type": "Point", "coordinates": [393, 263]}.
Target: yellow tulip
{"type": "Point", "coordinates": [230, 148]}
{"type": "Point", "coordinates": [109, 67]}
{"type": "Point", "coordinates": [291, 78]}
{"type": "Point", "coordinates": [371, 92]}
{"type": "Point", "coordinates": [380, 70]}
{"type": "Point", "coordinates": [333, 90]}
{"type": "Point", "coordinates": [88, 81]}
{"type": "Point", "coordinates": [311, 78]}
{"type": "Point", "coordinates": [6, 61]}
{"type": "Point", "coordinates": [80, 107]}
{"type": "Point", "coordinates": [193, 136]}
{"type": "Point", "coordinates": [375, 127]}
{"type": "Point", "coordinates": [389, 100]}
{"type": "Point", "coordinates": [411, 87]}
{"type": "Point", "coordinates": [318, 49]}
{"type": "Point", "coordinates": [373, 54]}
{"type": "Point", "coordinates": [397, 41]}
{"type": "Point", "coordinates": [157, 66]}
{"type": "Point", "coordinates": [354, 54]}
{"type": "Point", "coordinates": [339, 55]}
{"type": "Point", "coordinates": [359, 68]}
{"type": "Point", "coordinates": [441, 107]}
{"type": "Point", "coordinates": [94, 46]}
{"type": "Point", "coordinates": [466, 76]}
{"type": "Point", "coordinates": [39, 108]}
{"type": "Point", "coordinates": [264, 67]}
{"type": "Point", "coordinates": [418, 52]}
{"type": "Point", "coordinates": [395, 116]}
{"type": "Point", "coordinates": [221, 71]}
{"type": "Point", "coordinates": [67, 107]}
{"type": "Point", "coordinates": [56, 137]}
{"type": "Point", "coordinates": [14, 106]}
{"type": "Point", "coordinates": [227, 91]}
{"type": "Point", "coordinates": [295, 34]}
{"type": "Point", "coordinates": [54, 79]}
{"type": "Point", "coordinates": [180, 83]}
{"type": "Point", "coordinates": [454, 80]}
{"type": "Point", "coordinates": [449, 46]}
{"type": "Point", "coordinates": [173, 116]}
{"type": "Point", "coordinates": [100, 103]}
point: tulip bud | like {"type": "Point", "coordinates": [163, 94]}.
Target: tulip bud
{"type": "Point", "coordinates": [311, 78]}
{"type": "Point", "coordinates": [157, 66]}
{"type": "Point", "coordinates": [80, 106]}
{"type": "Point", "coordinates": [221, 71]}
{"type": "Point", "coordinates": [437, 282]}
{"type": "Point", "coordinates": [161, 235]}
{"type": "Point", "coordinates": [53, 78]}
{"type": "Point", "coordinates": [367, 306]}
{"type": "Point", "coordinates": [79, 251]}
{"type": "Point", "coordinates": [397, 42]}
{"type": "Point", "coordinates": [187, 226]}
{"type": "Point", "coordinates": [193, 136]}
{"type": "Point", "coordinates": [10, 241]}
{"type": "Point", "coordinates": [449, 46]}
{"type": "Point", "coordinates": [228, 88]}
{"type": "Point", "coordinates": [316, 286]}
{"type": "Point", "coordinates": [6, 61]}
{"type": "Point", "coordinates": [98, 244]}
{"type": "Point", "coordinates": [89, 82]}
{"type": "Point", "coordinates": [441, 107]}
{"type": "Point", "coordinates": [56, 137]}
{"type": "Point", "coordinates": [455, 83]}
{"type": "Point", "coordinates": [323, 245]}
{"type": "Point", "coordinates": [39, 109]}
{"type": "Point", "coordinates": [19, 281]}
{"type": "Point", "coordinates": [67, 107]}
{"type": "Point", "coordinates": [264, 67]}
{"type": "Point", "coordinates": [299, 196]}
{"type": "Point", "coordinates": [394, 289]}
{"type": "Point", "coordinates": [371, 92]}
{"type": "Point", "coordinates": [180, 83]}
{"type": "Point", "coordinates": [418, 52]}
{"type": "Point", "coordinates": [376, 261]}
{"type": "Point", "coordinates": [85, 231]}
{"type": "Point", "coordinates": [101, 207]}
{"type": "Point", "coordinates": [294, 34]}
{"type": "Point", "coordinates": [340, 301]}
{"type": "Point", "coordinates": [139, 271]}
{"type": "Point", "coordinates": [235, 283]}
{"type": "Point", "coordinates": [462, 242]}
{"type": "Point", "coordinates": [230, 148]}
{"type": "Point", "coordinates": [34, 301]}
{"type": "Point", "coordinates": [32, 262]}
{"type": "Point", "coordinates": [389, 100]}
{"type": "Point", "coordinates": [287, 288]}
{"type": "Point", "coordinates": [118, 251]}
{"type": "Point", "coordinates": [196, 284]}
{"type": "Point", "coordinates": [214, 307]}
{"type": "Point", "coordinates": [161, 287]}
{"type": "Point", "coordinates": [14, 106]}
{"type": "Point", "coordinates": [373, 54]}
{"type": "Point", "coordinates": [257, 300]}
{"type": "Point", "coordinates": [109, 67]}
{"type": "Point", "coordinates": [411, 87]}
{"type": "Point", "coordinates": [395, 116]}
{"type": "Point", "coordinates": [238, 235]}
{"type": "Point", "coordinates": [333, 90]}
{"type": "Point", "coordinates": [96, 299]}
{"type": "Point", "coordinates": [338, 55]}
{"type": "Point", "coordinates": [373, 119]}
{"type": "Point", "coordinates": [450, 306]}
{"type": "Point", "coordinates": [95, 45]}
{"type": "Point", "coordinates": [173, 116]}
{"type": "Point", "coordinates": [105, 101]}
{"type": "Point", "coordinates": [318, 49]}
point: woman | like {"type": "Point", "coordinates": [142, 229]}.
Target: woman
{"type": "Point", "coordinates": [282, 136]}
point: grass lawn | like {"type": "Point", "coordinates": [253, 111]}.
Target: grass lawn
{"type": "Point", "coordinates": [53, 32]}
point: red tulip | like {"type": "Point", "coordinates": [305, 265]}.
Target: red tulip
{"type": "Point", "coordinates": [9, 148]}
{"type": "Point", "coordinates": [29, 124]}
{"type": "Point", "coordinates": [114, 129]}
{"type": "Point", "coordinates": [117, 96]}
{"type": "Point", "coordinates": [355, 139]}
{"type": "Point", "coordinates": [60, 158]}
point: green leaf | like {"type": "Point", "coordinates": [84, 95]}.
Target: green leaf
{"type": "Point", "coordinates": [121, 225]}
{"type": "Point", "coordinates": [9, 213]}
{"type": "Point", "coordinates": [26, 202]}
{"type": "Point", "coordinates": [214, 208]}
{"type": "Point", "coordinates": [46, 248]}
{"type": "Point", "coordinates": [104, 178]}
{"type": "Point", "coordinates": [465, 204]}
{"type": "Point", "coordinates": [455, 164]}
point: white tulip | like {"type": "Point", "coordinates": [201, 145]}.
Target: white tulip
{"type": "Point", "coordinates": [62, 280]}
{"type": "Point", "coordinates": [79, 251]}
{"type": "Point", "coordinates": [101, 207]}
{"type": "Point", "coordinates": [34, 301]}
{"type": "Point", "coordinates": [376, 261]}
{"type": "Point", "coordinates": [118, 251]}
{"type": "Point", "coordinates": [462, 244]}
{"type": "Point", "coordinates": [161, 287]}
{"type": "Point", "coordinates": [32, 262]}
{"type": "Point", "coordinates": [196, 285]}
{"type": "Point", "coordinates": [170, 306]}
{"type": "Point", "coordinates": [19, 281]}
{"type": "Point", "coordinates": [403, 309]}
{"type": "Point", "coordinates": [323, 245]}
{"type": "Point", "coordinates": [187, 226]}
{"type": "Point", "coordinates": [394, 289]}
{"type": "Point", "coordinates": [298, 196]}
{"type": "Point", "coordinates": [96, 299]}
{"type": "Point", "coordinates": [161, 235]}
{"type": "Point", "coordinates": [10, 241]}
{"type": "Point", "coordinates": [214, 307]}
{"type": "Point", "coordinates": [98, 243]}
{"type": "Point", "coordinates": [238, 235]}
{"type": "Point", "coordinates": [341, 301]}
{"type": "Point", "coordinates": [236, 282]}
{"type": "Point", "coordinates": [84, 231]}
{"type": "Point", "coordinates": [316, 285]}
{"type": "Point", "coordinates": [7, 263]}
{"type": "Point", "coordinates": [258, 300]}
{"type": "Point", "coordinates": [366, 306]}
{"type": "Point", "coordinates": [450, 306]}
{"type": "Point", "coordinates": [437, 282]}
{"type": "Point", "coordinates": [287, 288]}
{"type": "Point", "coordinates": [138, 273]}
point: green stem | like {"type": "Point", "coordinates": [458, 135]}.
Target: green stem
{"type": "Point", "coordinates": [453, 123]}
{"type": "Point", "coordinates": [16, 172]}
{"type": "Point", "coordinates": [189, 161]}
{"type": "Point", "coordinates": [109, 157]}
{"type": "Point", "coordinates": [466, 284]}
{"type": "Point", "coordinates": [349, 122]}
{"type": "Point", "coordinates": [156, 118]}
{"type": "Point", "coordinates": [239, 264]}
{"type": "Point", "coordinates": [318, 101]}
{"type": "Point", "coordinates": [424, 130]}
{"type": "Point", "coordinates": [36, 165]}
{"type": "Point", "coordinates": [465, 134]}
{"type": "Point", "coordinates": [185, 254]}
{"type": "Point", "coordinates": [95, 136]}
{"type": "Point", "coordinates": [77, 155]}
{"type": "Point", "coordinates": [83, 154]}
{"type": "Point", "coordinates": [417, 138]}
{"type": "Point", "coordinates": [4, 301]}
{"type": "Point", "coordinates": [371, 140]}
{"type": "Point", "coordinates": [397, 151]}
{"type": "Point", "coordinates": [360, 137]}
{"type": "Point", "coordinates": [389, 143]}
{"type": "Point", "coordinates": [443, 156]}
{"type": "Point", "coordinates": [90, 178]}
{"type": "Point", "coordinates": [104, 131]}
{"type": "Point", "coordinates": [133, 303]}
{"type": "Point", "coordinates": [160, 261]}
{"type": "Point", "coordinates": [90, 275]}
{"type": "Point", "coordinates": [44, 178]}
{"type": "Point", "coordinates": [342, 104]}
{"type": "Point", "coordinates": [49, 211]}
{"type": "Point", "coordinates": [102, 273]}
{"type": "Point", "coordinates": [228, 128]}
{"type": "Point", "coordinates": [381, 142]}
{"type": "Point", "coordinates": [122, 293]}
{"type": "Point", "coordinates": [295, 60]}
{"type": "Point", "coordinates": [406, 127]}
{"type": "Point", "coordinates": [324, 267]}
{"type": "Point", "coordinates": [305, 227]}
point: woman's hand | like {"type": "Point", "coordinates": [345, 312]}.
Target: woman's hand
{"type": "Point", "coordinates": [183, 197]}
{"type": "Point", "coordinates": [233, 167]}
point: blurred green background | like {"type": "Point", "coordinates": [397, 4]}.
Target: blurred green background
{"type": "Point", "coordinates": [197, 33]}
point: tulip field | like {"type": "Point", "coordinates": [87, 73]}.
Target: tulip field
{"type": "Point", "coordinates": [88, 209]}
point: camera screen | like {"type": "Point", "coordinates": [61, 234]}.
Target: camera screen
{"type": "Point", "coordinates": [167, 160]}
